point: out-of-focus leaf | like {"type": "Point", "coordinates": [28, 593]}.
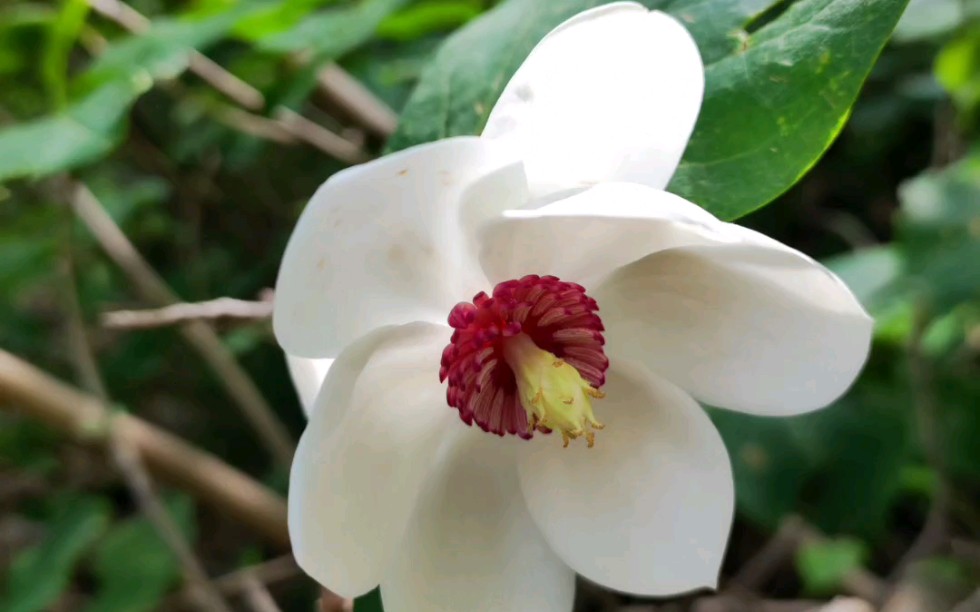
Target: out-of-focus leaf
{"type": "Point", "coordinates": [425, 18]}
{"type": "Point", "coordinates": [40, 574]}
{"type": "Point", "coordinates": [857, 449]}
{"type": "Point", "coordinates": [775, 98]}
{"type": "Point", "coordinates": [275, 18]}
{"type": "Point", "coordinates": [925, 19]}
{"type": "Point", "coordinates": [62, 34]}
{"type": "Point", "coordinates": [333, 32]}
{"type": "Point", "coordinates": [869, 273]}
{"type": "Point", "coordinates": [939, 230]}
{"type": "Point", "coordinates": [85, 131]}
{"type": "Point", "coordinates": [959, 424]}
{"type": "Point", "coordinates": [823, 565]}
{"type": "Point", "coordinates": [769, 466]}
{"type": "Point", "coordinates": [134, 567]}
{"type": "Point", "coordinates": [162, 52]}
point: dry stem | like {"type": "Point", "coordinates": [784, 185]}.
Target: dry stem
{"type": "Point", "coordinates": [148, 283]}
{"type": "Point", "coordinates": [219, 308]}
{"type": "Point", "coordinates": [30, 391]}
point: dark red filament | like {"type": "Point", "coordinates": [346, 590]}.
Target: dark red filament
{"type": "Point", "coordinates": [558, 316]}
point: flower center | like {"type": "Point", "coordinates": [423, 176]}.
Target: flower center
{"type": "Point", "coordinates": [527, 358]}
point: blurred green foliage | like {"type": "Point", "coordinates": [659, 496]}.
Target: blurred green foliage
{"type": "Point", "coordinates": [894, 208]}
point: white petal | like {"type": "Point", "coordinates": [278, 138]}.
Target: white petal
{"type": "Point", "coordinates": [585, 236]}
{"type": "Point", "coordinates": [648, 510]}
{"type": "Point", "coordinates": [472, 545]}
{"type": "Point", "coordinates": [379, 244]}
{"type": "Point", "coordinates": [752, 326]}
{"type": "Point", "coordinates": [307, 376]}
{"type": "Point", "coordinates": [373, 435]}
{"type": "Point", "coordinates": [611, 94]}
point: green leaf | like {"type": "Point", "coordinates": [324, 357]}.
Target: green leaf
{"type": "Point", "coordinates": [163, 51]}
{"type": "Point", "coordinates": [769, 466]}
{"type": "Point", "coordinates": [427, 17]}
{"type": "Point", "coordinates": [334, 32]}
{"type": "Point", "coordinates": [134, 567]}
{"type": "Point", "coordinates": [40, 574]}
{"type": "Point", "coordinates": [869, 273]}
{"type": "Point", "coordinates": [937, 232]}
{"type": "Point", "coordinates": [775, 98]}
{"type": "Point", "coordinates": [85, 131]}
{"type": "Point", "coordinates": [62, 34]}
{"type": "Point", "coordinates": [824, 565]}
{"type": "Point", "coordinates": [772, 109]}
{"type": "Point", "coordinates": [857, 448]}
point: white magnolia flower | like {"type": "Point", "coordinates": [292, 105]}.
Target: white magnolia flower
{"type": "Point", "coordinates": [652, 304]}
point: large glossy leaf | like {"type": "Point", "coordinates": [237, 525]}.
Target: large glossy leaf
{"type": "Point", "coordinates": [779, 84]}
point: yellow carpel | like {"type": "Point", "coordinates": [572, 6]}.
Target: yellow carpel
{"type": "Point", "coordinates": [552, 392]}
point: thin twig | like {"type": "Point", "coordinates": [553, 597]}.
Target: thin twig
{"type": "Point", "coordinates": [331, 602]}
{"type": "Point", "coordinates": [268, 572]}
{"type": "Point", "coordinates": [126, 460]}
{"type": "Point", "coordinates": [755, 572]}
{"type": "Point", "coordinates": [29, 391]}
{"type": "Point", "coordinates": [357, 101]}
{"type": "Point", "coordinates": [217, 77]}
{"type": "Point", "coordinates": [934, 534]}
{"type": "Point", "coordinates": [320, 137]}
{"type": "Point", "coordinates": [257, 596]}
{"type": "Point", "coordinates": [219, 308]}
{"type": "Point", "coordinates": [233, 584]}
{"type": "Point", "coordinates": [337, 85]}
{"type": "Point", "coordinates": [970, 604]}
{"type": "Point", "coordinates": [793, 534]}
{"type": "Point", "coordinates": [136, 476]}
{"type": "Point", "coordinates": [202, 337]}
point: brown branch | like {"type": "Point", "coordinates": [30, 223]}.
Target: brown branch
{"type": "Point", "coordinates": [257, 596]}
{"type": "Point", "coordinates": [320, 137]}
{"type": "Point", "coordinates": [125, 458]}
{"type": "Point", "coordinates": [337, 85]}
{"type": "Point", "coordinates": [140, 485]}
{"type": "Point", "coordinates": [27, 390]}
{"type": "Point", "coordinates": [346, 92]}
{"type": "Point", "coordinates": [199, 335]}
{"type": "Point", "coordinates": [219, 308]}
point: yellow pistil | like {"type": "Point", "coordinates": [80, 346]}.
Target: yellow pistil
{"type": "Point", "coordinates": [553, 393]}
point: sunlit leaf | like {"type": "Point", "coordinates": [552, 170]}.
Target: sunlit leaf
{"type": "Point", "coordinates": [823, 565]}
{"type": "Point", "coordinates": [85, 131]}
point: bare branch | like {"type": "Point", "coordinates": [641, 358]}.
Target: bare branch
{"type": "Point", "coordinates": [125, 458]}
{"type": "Point", "coordinates": [356, 100]}
{"type": "Point", "coordinates": [337, 85]}
{"type": "Point", "coordinates": [220, 308]}
{"type": "Point", "coordinates": [257, 596]}
{"type": "Point", "coordinates": [29, 391]}
{"type": "Point", "coordinates": [148, 283]}
{"type": "Point", "coordinates": [138, 480]}
{"type": "Point", "coordinates": [320, 137]}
